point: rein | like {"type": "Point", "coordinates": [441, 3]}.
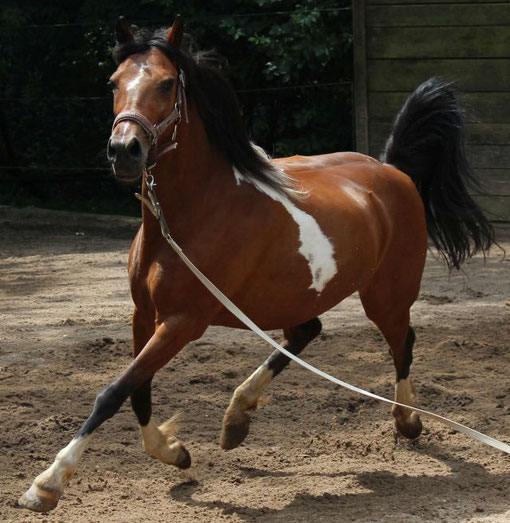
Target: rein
{"type": "Point", "coordinates": [152, 203]}
{"type": "Point", "coordinates": [154, 131]}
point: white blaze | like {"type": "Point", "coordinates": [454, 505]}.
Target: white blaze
{"type": "Point", "coordinates": [133, 84]}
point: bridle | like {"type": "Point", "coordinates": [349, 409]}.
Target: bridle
{"type": "Point", "coordinates": [154, 131]}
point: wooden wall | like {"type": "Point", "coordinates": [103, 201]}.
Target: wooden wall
{"type": "Point", "coordinates": [400, 43]}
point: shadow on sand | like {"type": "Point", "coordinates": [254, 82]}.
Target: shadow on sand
{"type": "Point", "coordinates": [388, 496]}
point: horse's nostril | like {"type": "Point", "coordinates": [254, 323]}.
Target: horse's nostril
{"type": "Point", "coordinates": [134, 148]}
{"type": "Point", "coordinates": [111, 152]}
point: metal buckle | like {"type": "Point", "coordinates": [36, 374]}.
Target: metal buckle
{"type": "Point", "coordinates": [150, 181]}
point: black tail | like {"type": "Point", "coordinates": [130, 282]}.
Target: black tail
{"type": "Point", "coordinates": [427, 143]}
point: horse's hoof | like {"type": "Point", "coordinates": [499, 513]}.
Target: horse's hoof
{"type": "Point", "coordinates": [233, 434]}
{"type": "Point", "coordinates": [39, 499]}
{"type": "Point", "coordinates": [186, 462]}
{"type": "Point", "coordinates": [411, 428]}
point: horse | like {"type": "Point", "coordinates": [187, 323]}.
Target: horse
{"type": "Point", "coordinates": [285, 239]}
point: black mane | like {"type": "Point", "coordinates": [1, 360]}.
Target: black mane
{"type": "Point", "coordinates": [216, 103]}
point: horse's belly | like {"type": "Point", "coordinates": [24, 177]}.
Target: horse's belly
{"type": "Point", "coordinates": [284, 291]}
{"type": "Point", "coordinates": [286, 311]}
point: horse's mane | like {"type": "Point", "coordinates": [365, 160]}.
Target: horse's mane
{"type": "Point", "coordinates": [217, 106]}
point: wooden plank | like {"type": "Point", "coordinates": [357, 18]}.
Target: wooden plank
{"type": "Point", "coordinates": [488, 133]}
{"type": "Point", "coordinates": [483, 156]}
{"type": "Point", "coordinates": [479, 156]}
{"type": "Point", "coordinates": [494, 181]}
{"type": "Point", "coordinates": [438, 42]}
{"type": "Point", "coordinates": [455, 14]}
{"type": "Point", "coordinates": [377, 144]}
{"type": "Point", "coordinates": [360, 78]}
{"type": "Point", "coordinates": [496, 208]}
{"type": "Point", "coordinates": [476, 133]}
{"type": "Point", "coordinates": [481, 107]}
{"type": "Point", "coordinates": [476, 75]}
{"type": "Point", "coordinates": [416, 2]}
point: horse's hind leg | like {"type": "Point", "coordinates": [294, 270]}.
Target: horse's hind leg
{"type": "Point", "coordinates": [389, 310]}
{"type": "Point", "coordinates": [236, 422]}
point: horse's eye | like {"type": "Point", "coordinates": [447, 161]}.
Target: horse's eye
{"type": "Point", "coordinates": [112, 85]}
{"type": "Point", "coordinates": [166, 85]}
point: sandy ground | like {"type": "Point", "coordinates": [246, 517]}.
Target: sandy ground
{"type": "Point", "coordinates": [315, 451]}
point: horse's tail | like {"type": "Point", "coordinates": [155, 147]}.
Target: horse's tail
{"type": "Point", "coordinates": [427, 143]}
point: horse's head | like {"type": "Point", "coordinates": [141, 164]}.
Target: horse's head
{"type": "Point", "coordinates": [145, 94]}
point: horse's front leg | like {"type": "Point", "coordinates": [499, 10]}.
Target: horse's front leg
{"type": "Point", "coordinates": [170, 336]}
{"type": "Point", "coordinates": [158, 441]}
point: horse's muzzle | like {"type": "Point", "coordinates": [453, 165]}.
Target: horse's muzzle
{"type": "Point", "coordinates": [127, 157]}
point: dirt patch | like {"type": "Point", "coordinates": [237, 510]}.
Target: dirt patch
{"type": "Point", "coordinates": [315, 451]}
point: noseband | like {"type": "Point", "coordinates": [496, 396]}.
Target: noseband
{"type": "Point", "coordinates": [154, 131]}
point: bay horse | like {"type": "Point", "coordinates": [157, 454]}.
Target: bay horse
{"type": "Point", "coordinates": [285, 239]}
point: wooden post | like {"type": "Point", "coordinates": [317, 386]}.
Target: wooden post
{"type": "Point", "coordinates": [360, 76]}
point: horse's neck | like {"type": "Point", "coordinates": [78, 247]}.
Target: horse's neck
{"type": "Point", "coordinates": [191, 179]}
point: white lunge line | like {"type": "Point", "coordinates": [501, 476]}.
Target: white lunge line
{"type": "Point", "coordinates": [156, 210]}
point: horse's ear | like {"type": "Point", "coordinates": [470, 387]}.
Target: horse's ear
{"type": "Point", "coordinates": [175, 33]}
{"type": "Point", "coordinates": [123, 33]}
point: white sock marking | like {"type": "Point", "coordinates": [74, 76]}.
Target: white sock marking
{"type": "Point", "coordinates": [56, 477]}
{"type": "Point", "coordinates": [404, 392]}
{"type": "Point", "coordinates": [251, 389]}
{"type": "Point", "coordinates": [161, 445]}
{"type": "Point", "coordinates": [152, 438]}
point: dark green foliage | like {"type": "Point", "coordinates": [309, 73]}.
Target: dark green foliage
{"type": "Point", "coordinates": [55, 108]}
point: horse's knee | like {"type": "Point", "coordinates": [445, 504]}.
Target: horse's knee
{"type": "Point", "coordinates": [107, 403]}
{"type": "Point", "coordinates": [109, 400]}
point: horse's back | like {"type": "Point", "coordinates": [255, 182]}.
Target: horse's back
{"type": "Point", "coordinates": [348, 166]}
{"type": "Point", "coordinates": [357, 181]}
{"type": "Point", "coordinates": [303, 163]}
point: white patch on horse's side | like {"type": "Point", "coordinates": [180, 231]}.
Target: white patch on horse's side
{"type": "Point", "coordinates": [315, 246]}
{"type": "Point", "coordinates": [133, 84]}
